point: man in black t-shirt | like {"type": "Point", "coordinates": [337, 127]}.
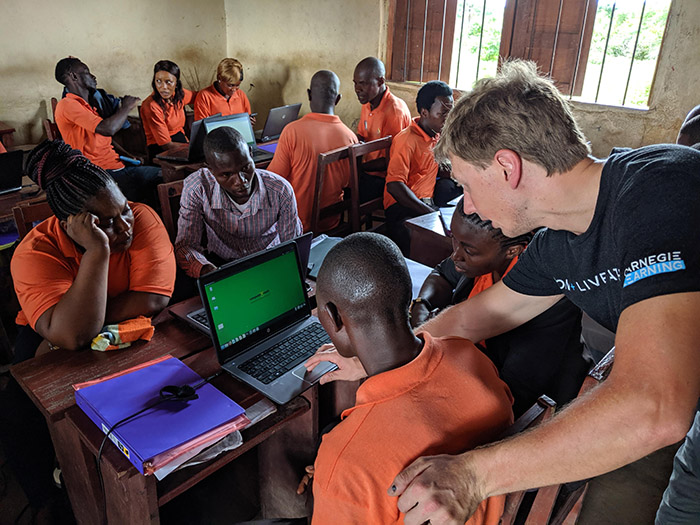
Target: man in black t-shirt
{"type": "Point", "coordinates": [621, 244]}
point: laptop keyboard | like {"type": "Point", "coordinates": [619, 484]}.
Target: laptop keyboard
{"type": "Point", "coordinates": [285, 355]}
{"type": "Point", "coordinates": [200, 316]}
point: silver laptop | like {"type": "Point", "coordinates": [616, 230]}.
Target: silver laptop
{"type": "Point", "coordinates": [277, 119]}
{"type": "Point", "coordinates": [262, 327]}
{"type": "Point", "coordinates": [11, 171]}
{"type": "Point", "coordinates": [241, 123]}
{"type": "Point", "coordinates": [193, 151]}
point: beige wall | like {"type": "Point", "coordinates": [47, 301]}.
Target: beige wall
{"type": "Point", "coordinates": [282, 43]}
{"type": "Point", "coordinates": [119, 41]}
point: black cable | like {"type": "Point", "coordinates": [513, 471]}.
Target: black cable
{"type": "Point", "coordinates": [167, 393]}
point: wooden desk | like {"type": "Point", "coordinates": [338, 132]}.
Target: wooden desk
{"type": "Point", "coordinates": [429, 241]}
{"type": "Point", "coordinates": [29, 193]}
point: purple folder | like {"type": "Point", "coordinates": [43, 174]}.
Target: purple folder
{"type": "Point", "coordinates": [163, 427]}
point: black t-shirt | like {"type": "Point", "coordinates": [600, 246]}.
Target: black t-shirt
{"type": "Point", "coordinates": [642, 242]}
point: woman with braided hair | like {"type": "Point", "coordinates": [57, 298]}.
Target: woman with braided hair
{"type": "Point", "coordinates": [100, 259]}
{"type": "Point", "coordinates": [543, 356]}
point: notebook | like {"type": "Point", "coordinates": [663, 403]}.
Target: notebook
{"type": "Point", "coordinates": [193, 151]}
{"type": "Point", "coordinates": [165, 431]}
{"type": "Point", "coordinates": [262, 327]}
{"type": "Point", "coordinates": [11, 171]}
{"type": "Point", "coordinates": [241, 123]}
{"type": "Point", "coordinates": [277, 119]}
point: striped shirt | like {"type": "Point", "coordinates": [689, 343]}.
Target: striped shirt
{"type": "Point", "coordinates": [208, 215]}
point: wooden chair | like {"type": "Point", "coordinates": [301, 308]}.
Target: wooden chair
{"type": "Point", "coordinates": [50, 127]}
{"type": "Point", "coordinates": [339, 208]}
{"type": "Point", "coordinates": [169, 195]}
{"type": "Point", "coordinates": [26, 215]}
{"type": "Point", "coordinates": [362, 212]}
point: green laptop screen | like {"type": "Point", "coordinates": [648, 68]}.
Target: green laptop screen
{"type": "Point", "coordinates": [248, 301]}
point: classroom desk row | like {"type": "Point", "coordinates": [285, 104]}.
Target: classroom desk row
{"type": "Point", "coordinates": [286, 440]}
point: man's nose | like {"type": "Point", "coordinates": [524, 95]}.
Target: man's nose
{"type": "Point", "coordinates": [469, 207]}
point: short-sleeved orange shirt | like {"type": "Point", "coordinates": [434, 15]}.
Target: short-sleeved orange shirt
{"type": "Point", "coordinates": [412, 162]}
{"type": "Point", "coordinates": [390, 118]}
{"type": "Point", "coordinates": [296, 158]}
{"type": "Point", "coordinates": [2, 148]}
{"type": "Point", "coordinates": [77, 120]}
{"type": "Point", "coordinates": [447, 400]}
{"type": "Point", "coordinates": [46, 263]}
{"type": "Point", "coordinates": [160, 124]}
{"type": "Point", "coordinates": [210, 102]}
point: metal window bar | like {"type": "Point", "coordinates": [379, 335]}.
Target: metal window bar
{"type": "Point", "coordinates": [425, 30]}
{"type": "Point", "coordinates": [459, 48]}
{"type": "Point", "coordinates": [605, 51]}
{"type": "Point", "coordinates": [405, 45]}
{"type": "Point", "coordinates": [442, 37]}
{"type": "Point", "coordinates": [532, 32]}
{"type": "Point", "coordinates": [556, 38]}
{"type": "Point", "coordinates": [481, 40]}
{"type": "Point", "coordinates": [580, 49]}
{"type": "Point", "coordinates": [634, 51]}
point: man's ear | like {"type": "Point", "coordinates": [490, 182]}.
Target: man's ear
{"type": "Point", "coordinates": [334, 315]}
{"type": "Point", "coordinates": [337, 99]}
{"type": "Point", "coordinates": [511, 164]}
{"type": "Point", "coordinates": [514, 251]}
{"type": "Point", "coordinates": [381, 81]}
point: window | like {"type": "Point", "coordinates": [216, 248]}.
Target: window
{"type": "Point", "coordinates": [601, 51]}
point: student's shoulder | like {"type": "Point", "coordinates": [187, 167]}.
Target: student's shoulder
{"type": "Point", "coordinates": [200, 180]}
{"type": "Point", "coordinates": [206, 94]}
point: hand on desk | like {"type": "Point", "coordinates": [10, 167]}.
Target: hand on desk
{"type": "Point", "coordinates": [349, 368]}
{"type": "Point", "coordinates": [437, 489]}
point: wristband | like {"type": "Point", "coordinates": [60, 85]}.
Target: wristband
{"type": "Point", "coordinates": [421, 300]}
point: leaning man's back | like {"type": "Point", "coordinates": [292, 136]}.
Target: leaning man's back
{"type": "Point", "coordinates": [447, 400]}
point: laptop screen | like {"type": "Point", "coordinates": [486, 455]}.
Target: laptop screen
{"type": "Point", "coordinates": [240, 122]}
{"type": "Point", "coordinates": [255, 298]}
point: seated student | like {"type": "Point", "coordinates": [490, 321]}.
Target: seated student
{"type": "Point", "coordinates": [296, 156]}
{"type": "Point", "coordinates": [225, 95]}
{"type": "Point", "coordinates": [543, 356]}
{"type": "Point", "coordinates": [382, 115]}
{"type": "Point", "coordinates": [689, 134]}
{"type": "Point", "coordinates": [163, 111]}
{"type": "Point", "coordinates": [412, 170]}
{"type": "Point", "coordinates": [83, 128]}
{"type": "Point", "coordinates": [241, 209]}
{"type": "Point", "coordinates": [424, 395]}
{"type": "Point", "coordinates": [100, 259]}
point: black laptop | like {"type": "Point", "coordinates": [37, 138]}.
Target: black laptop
{"type": "Point", "coordinates": [277, 119]}
{"type": "Point", "coordinates": [241, 123]}
{"type": "Point", "coordinates": [192, 151]}
{"type": "Point", "coordinates": [11, 171]}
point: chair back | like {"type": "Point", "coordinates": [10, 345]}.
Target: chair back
{"type": "Point", "coordinates": [169, 194]}
{"type": "Point", "coordinates": [362, 211]}
{"type": "Point", "coordinates": [318, 212]}
{"type": "Point", "coordinates": [27, 214]}
{"type": "Point", "coordinates": [51, 130]}
{"type": "Point", "coordinates": [54, 103]}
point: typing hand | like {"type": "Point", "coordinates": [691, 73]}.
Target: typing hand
{"type": "Point", "coordinates": [440, 489]}
{"type": "Point", "coordinates": [82, 228]}
{"type": "Point", "coordinates": [206, 269]}
{"type": "Point", "coordinates": [306, 480]}
{"type": "Point", "coordinates": [129, 101]}
{"type": "Point", "coordinates": [349, 368]}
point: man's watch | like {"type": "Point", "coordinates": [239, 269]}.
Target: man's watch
{"type": "Point", "coordinates": [421, 300]}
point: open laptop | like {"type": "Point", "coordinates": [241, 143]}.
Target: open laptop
{"type": "Point", "coordinates": [196, 315]}
{"type": "Point", "coordinates": [193, 151]}
{"type": "Point", "coordinates": [263, 330]}
{"type": "Point", "coordinates": [11, 171]}
{"type": "Point", "coordinates": [277, 119]}
{"type": "Point", "coordinates": [241, 123]}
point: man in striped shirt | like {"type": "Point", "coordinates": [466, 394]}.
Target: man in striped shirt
{"type": "Point", "coordinates": [231, 209]}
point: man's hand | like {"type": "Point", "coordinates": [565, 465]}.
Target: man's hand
{"type": "Point", "coordinates": [206, 269]}
{"type": "Point", "coordinates": [440, 489]}
{"type": "Point", "coordinates": [130, 102]}
{"type": "Point", "coordinates": [82, 228]}
{"type": "Point", "coordinates": [349, 368]}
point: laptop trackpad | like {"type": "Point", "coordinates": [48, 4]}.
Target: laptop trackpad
{"type": "Point", "coordinates": [315, 374]}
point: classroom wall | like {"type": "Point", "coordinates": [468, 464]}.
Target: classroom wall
{"type": "Point", "coordinates": [282, 43]}
{"type": "Point", "coordinates": [119, 41]}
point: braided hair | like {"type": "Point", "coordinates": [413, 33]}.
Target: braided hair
{"type": "Point", "coordinates": [496, 233]}
{"type": "Point", "coordinates": [67, 177]}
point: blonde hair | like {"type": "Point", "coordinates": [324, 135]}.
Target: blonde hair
{"type": "Point", "coordinates": [517, 110]}
{"type": "Point", "coordinates": [230, 71]}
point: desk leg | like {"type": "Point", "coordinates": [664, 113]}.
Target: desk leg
{"type": "Point", "coordinates": [133, 498]}
{"type": "Point", "coordinates": [78, 468]}
{"type": "Point", "coordinates": [282, 459]}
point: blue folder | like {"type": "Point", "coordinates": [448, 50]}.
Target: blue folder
{"type": "Point", "coordinates": [163, 427]}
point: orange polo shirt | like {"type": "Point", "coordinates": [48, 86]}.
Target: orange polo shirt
{"type": "Point", "coordinates": [46, 263]}
{"type": "Point", "coordinates": [390, 118]}
{"type": "Point", "coordinates": [210, 102]}
{"type": "Point", "coordinates": [296, 158]}
{"type": "Point", "coordinates": [447, 400]}
{"type": "Point", "coordinates": [2, 148]}
{"type": "Point", "coordinates": [160, 124]}
{"type": "Point", "coordinates": [483, 282]}
{"type": "Point", "coordinates": [412, 162]}
{"type": "Point", "coordinates": [76, 120]}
